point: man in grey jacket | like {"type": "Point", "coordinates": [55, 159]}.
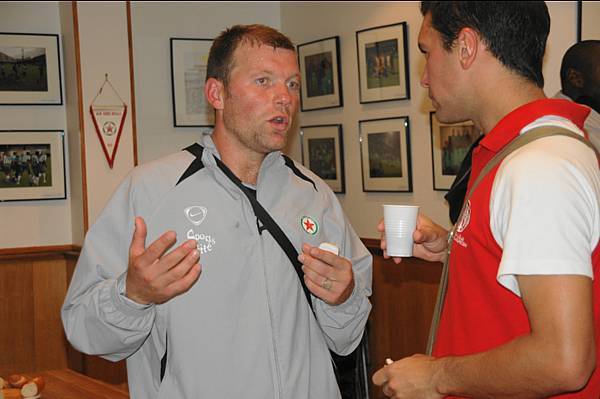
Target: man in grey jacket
{"type": "Point", "coordinates": [238, 324]}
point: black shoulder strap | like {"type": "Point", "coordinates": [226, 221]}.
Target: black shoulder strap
{"type": "Point", "coordinates": [196, 149]}
{"type": "Point", "coordinates": [273, 228]}
{"type": "Point", "coordinates": [290, 164]}
{"type": "Point", "coordinates": [260, 212]}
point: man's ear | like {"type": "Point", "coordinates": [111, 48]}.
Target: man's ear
{"type": "Point", "coordinates": [575, 78]}
{"type": "Point", "coordinates": [468, 41]}
{"type": "Point", "coordinates": [214, 91]}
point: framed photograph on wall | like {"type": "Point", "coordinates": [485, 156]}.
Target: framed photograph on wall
{"type": "Point", "coordinates": [450, 144]}
{"type": "Point", "coordinates": [321, 74]}
{"type": "Point", "coordinates": [32, 165]}
{"type": "Point", "coordinates": [383, 63]}
{"type": "Point", "coordinates": [189, 58]}
{"type": "Point", "coordinates": [588, 15]}
{"type": "Point", "coordinates": [385, 154]}
{"type": "Point", "coordinates": [323, 153]}
{"type": "Point", "coordinates": [30, 69]}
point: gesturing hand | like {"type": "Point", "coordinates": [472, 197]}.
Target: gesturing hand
{"type": "Point", "coordinates": [156, 277]}
{"type": "Point", "coordinates": [327, 276]}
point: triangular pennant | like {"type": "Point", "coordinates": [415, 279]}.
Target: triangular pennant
{"type": "Point", "coordinates": [109, 120]}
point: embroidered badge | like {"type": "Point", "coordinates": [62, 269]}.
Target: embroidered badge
{"type": "Point", "coordinates": [462, 225]}
{"type": "Point", "coordinates": [309, 225]}
{"type": "Point", "coordinates": [466, 218]}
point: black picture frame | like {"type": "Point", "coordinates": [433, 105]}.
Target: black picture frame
{"type": "Point", "coordinates": [383, 69]}
{"type": "Point", "coordinates": [322, 149]}
{"type": "Point", "coordinates": [320, 67]}
{"type": "Point", "coordinates": [588, 15]}
{"type": "Point", "coordinates": [385, 154]}
{"type": "Point", "coordinates": [189, 57]}
{"type": "Point", "coordinates": [450, 144]}
{"type": "Point", "coordinates": [32, 165]}
{"type": "Point", "coordinates": [30, 69]}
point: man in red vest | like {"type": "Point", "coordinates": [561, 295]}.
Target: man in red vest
{"type": "Point", "coordinates": [521, 315]}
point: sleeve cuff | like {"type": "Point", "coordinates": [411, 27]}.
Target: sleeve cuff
{"type": "Point", "coordinates": [343, 313]}
{"type": "Point", "coordinates": [125, 304]}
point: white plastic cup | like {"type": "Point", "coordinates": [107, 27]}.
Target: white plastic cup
{"type": "Point", "coordinates": [400, 222]}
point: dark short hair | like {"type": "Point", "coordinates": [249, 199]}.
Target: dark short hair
{"type": "Point", "coordinates": [583, 57]}
{"type": "Point", "coordinates": [220, 57]}
{"type": "Point", "coordinates": [515, 32]}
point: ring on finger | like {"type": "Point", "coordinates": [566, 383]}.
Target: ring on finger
{"type": "Point", "coordinates": [326, 283]}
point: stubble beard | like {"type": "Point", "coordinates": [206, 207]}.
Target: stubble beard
{"type": "Point", "coordinates": [259, 139]}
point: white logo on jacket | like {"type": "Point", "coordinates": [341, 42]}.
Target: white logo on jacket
{"type": "Point", "coordinates": [196, 215]}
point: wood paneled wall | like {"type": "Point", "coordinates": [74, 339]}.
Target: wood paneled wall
{"type": "Point", "coordinates": [33, 286]}
{"type": "Point", "coordinates": [403, 300]}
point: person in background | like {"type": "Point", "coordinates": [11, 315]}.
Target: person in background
{"type": "Point", "coordinates": [239, 326]}
{"type": "Point", "coordinates": [580, 82]}
{"type": "Point", "coordinates": [521, 315]}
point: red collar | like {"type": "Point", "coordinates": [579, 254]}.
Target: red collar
{"type": "Point", "coordinates": [509, 127]}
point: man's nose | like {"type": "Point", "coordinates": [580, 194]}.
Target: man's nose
{"type": "Point", "coordinates": [282, 94]}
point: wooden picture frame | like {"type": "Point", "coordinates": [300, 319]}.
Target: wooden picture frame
{"type": "Point", "coordinates": [383, 63]}
{"type": "Point", "coordinates": [450, 144]}
{"type": "Point", "coordinates": [385, 154]}
{"type": "Point", "coordinates": [30, 70]}
{"type": "Point", "coordinates": [189, 59]}
{"type": "Point", "coordinates": [323, 153]}
{"type": "Point", "coordinates": [321, 72]}
{"type": "Point", "coordinates": [32, 165]}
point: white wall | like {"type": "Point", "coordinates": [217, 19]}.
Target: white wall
{"type": "Point", "coordinates": [40, 223]}
{"type": "Point", "coordinates": [104, 51]}
{"type": "Point", "coordinates": [74, 139]}
{"type": "Point", "coordinates": [34, 223]}
{"type": "Point", "coordinates": [153, 24]}
{"type": "Point", "coordinates": [305, 22]}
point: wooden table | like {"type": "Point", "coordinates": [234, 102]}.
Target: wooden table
{"type": "Point", "coordinates": [68, 384]}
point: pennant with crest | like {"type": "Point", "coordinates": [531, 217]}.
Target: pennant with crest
{"type": "Point", "coordinates": [108, 119]}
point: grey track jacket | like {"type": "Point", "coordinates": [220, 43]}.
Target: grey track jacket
{"type": "Point", "coordinates": [244, 329]}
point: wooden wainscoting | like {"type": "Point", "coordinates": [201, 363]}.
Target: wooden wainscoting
{"type": "Point", "coordinates": [403, 299]}
{"type": "Point", "coordinates": [32, 289]}
{"type": "Point", "coordinates": [33, 285]}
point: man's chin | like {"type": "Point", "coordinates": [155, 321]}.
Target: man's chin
{"type": "Point", "coordinates": [277, 142]}
{"type": "Point", "coordinates": [443, 117]}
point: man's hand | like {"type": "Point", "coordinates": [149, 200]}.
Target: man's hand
{"type": "Point", "coordinates": [410, 378]}
{"type": "Point", "coordinates": [430, 240]}
{"type": "Point", "coordinates": [327, 276]}
{"type": "Point", "coordinates": [156, 277]}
